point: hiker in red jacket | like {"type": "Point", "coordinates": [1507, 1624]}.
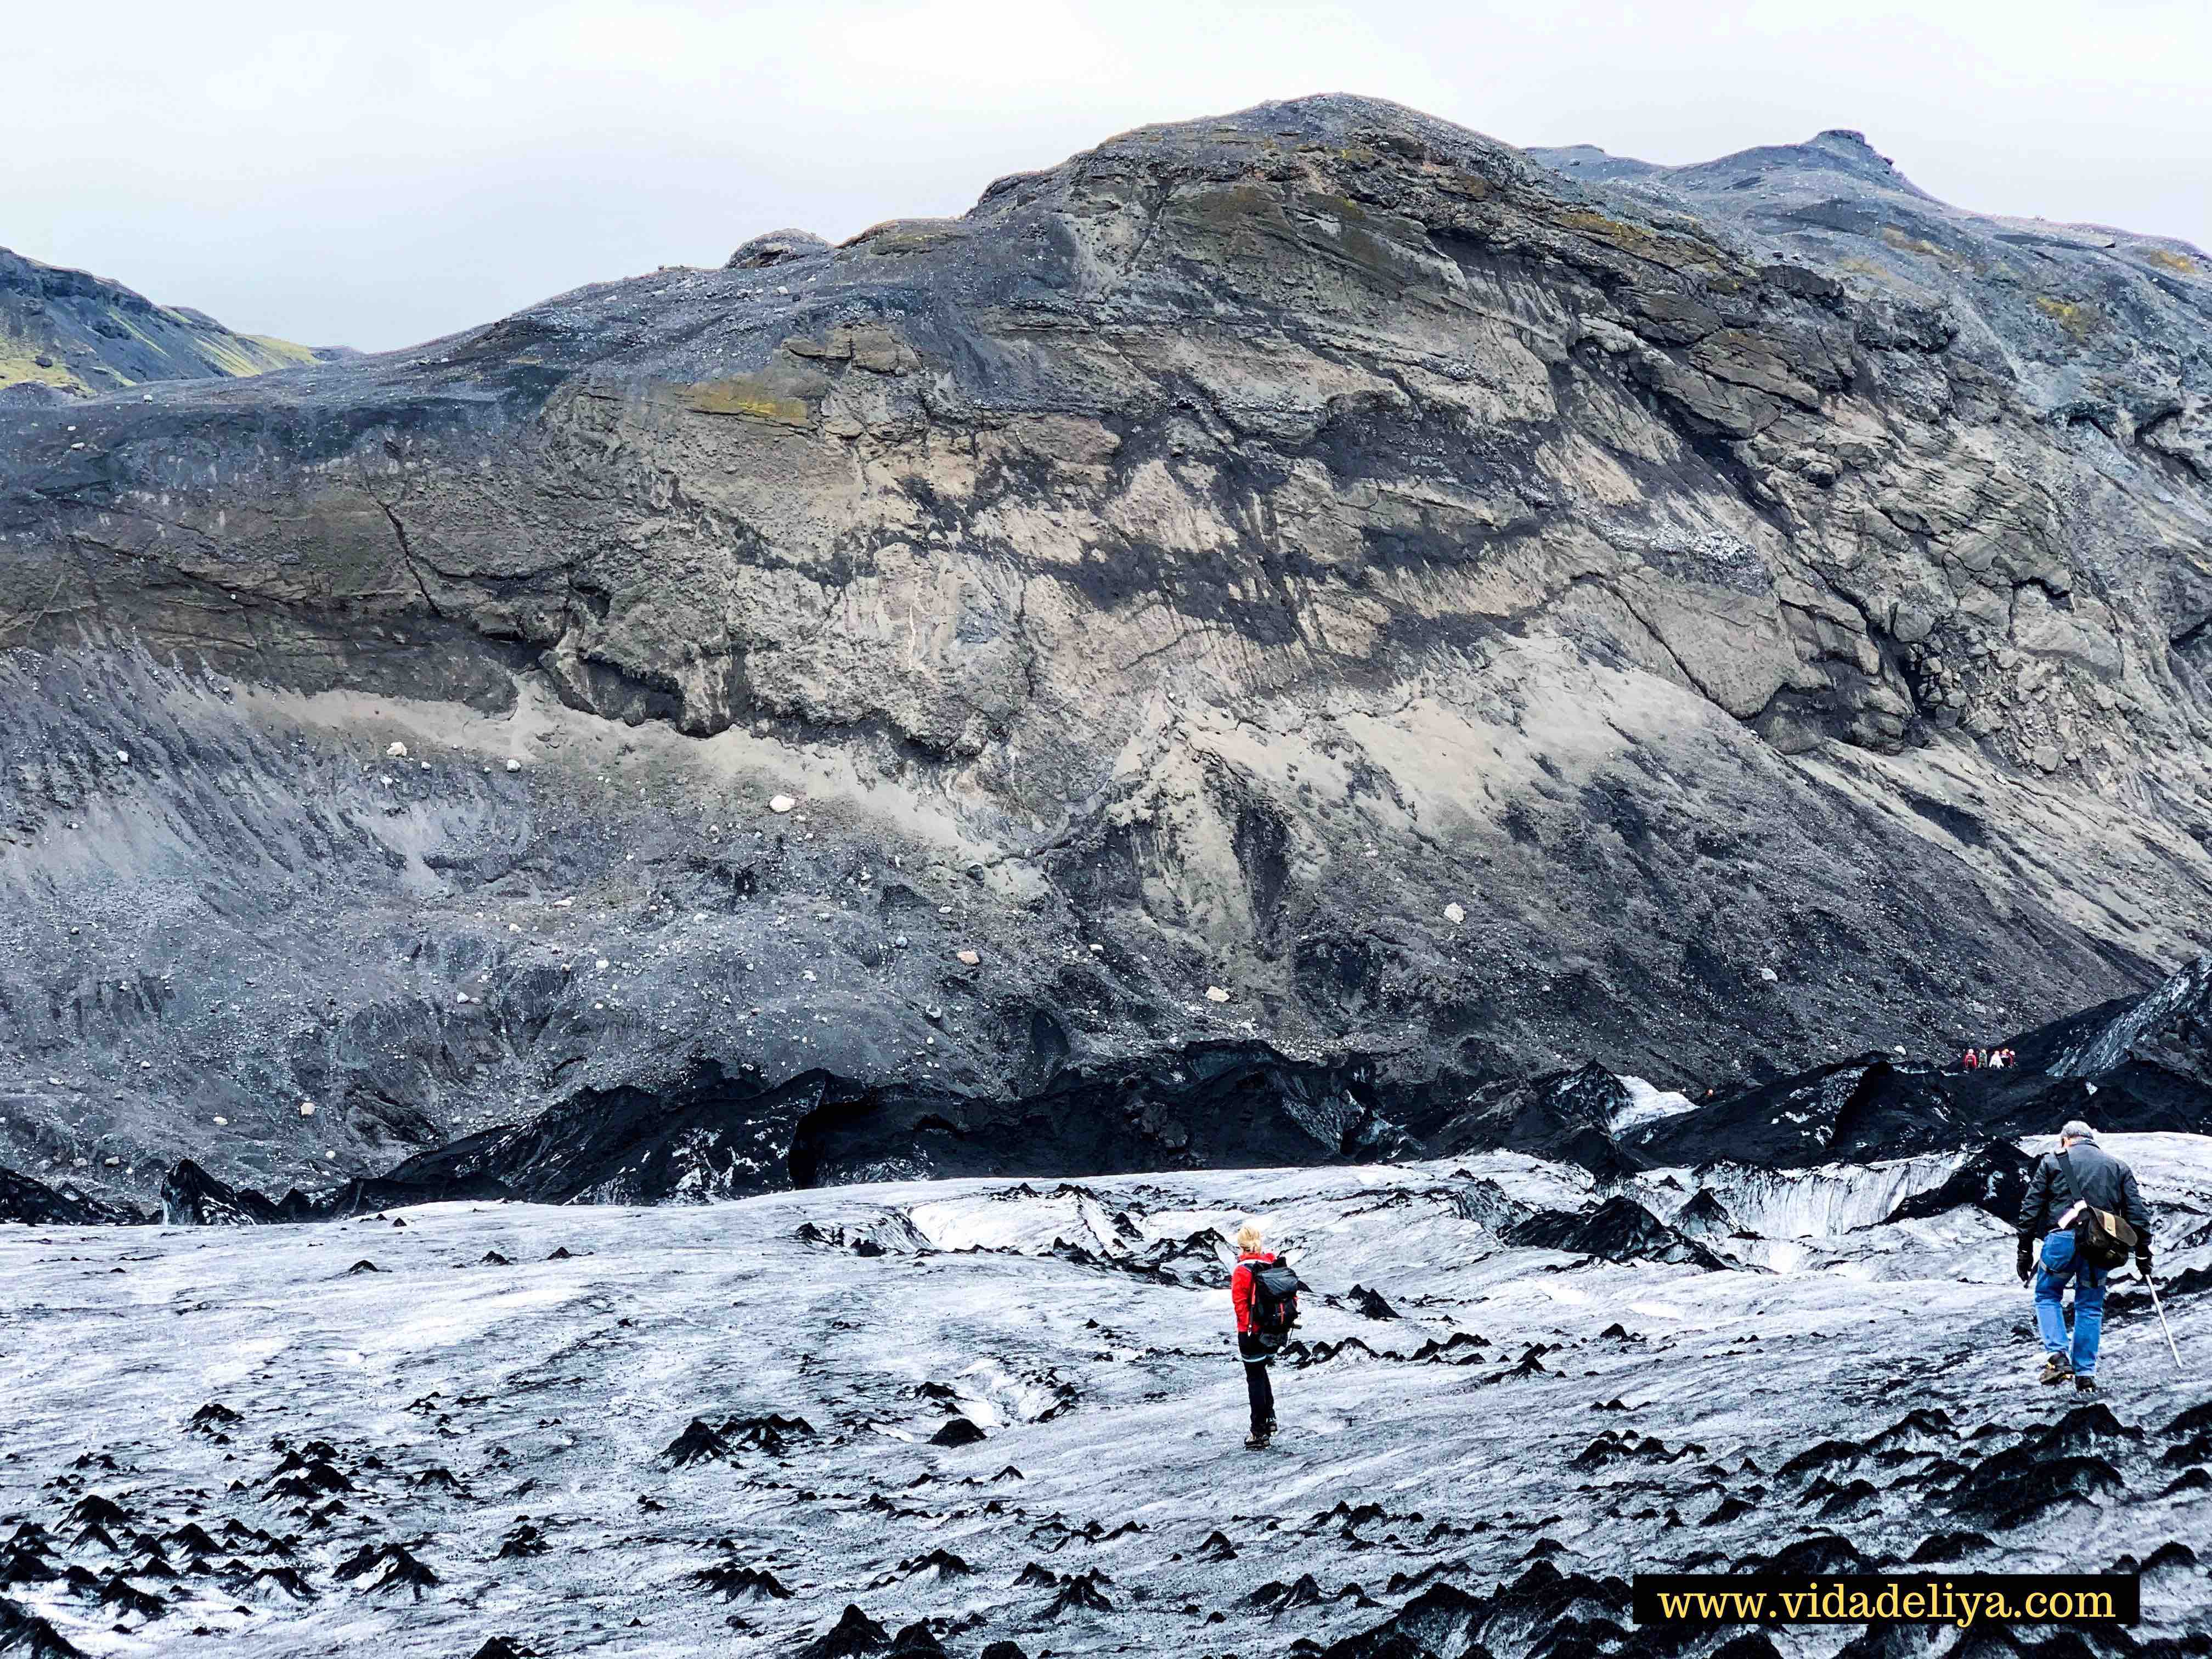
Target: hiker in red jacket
{"type": "Point", "coordinates": [1253, 1346]}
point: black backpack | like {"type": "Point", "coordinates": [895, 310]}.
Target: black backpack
{"type": "Point", "coordinates": [2101, 1238]}
{"type": "Point", "coordinates": [1275, 1289]}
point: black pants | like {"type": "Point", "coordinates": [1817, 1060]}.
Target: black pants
{"type": "Point", "coordinates": [1256, 1384]}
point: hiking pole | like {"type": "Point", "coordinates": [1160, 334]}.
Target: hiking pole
{"type": "Point", "coordinates": [2162, 1325]}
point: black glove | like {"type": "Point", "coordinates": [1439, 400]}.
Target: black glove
{"type": "Point", "coordinates": [2143, 1260]}
{"type": "Point", "coordinates": [2026, 1266]}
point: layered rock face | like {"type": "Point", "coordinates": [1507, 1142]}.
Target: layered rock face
{"type": "Point", "coordinates": [1471, 612]}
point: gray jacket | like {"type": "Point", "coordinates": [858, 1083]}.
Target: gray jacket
{"type": "Point", "coordinates": [2100, 1178]}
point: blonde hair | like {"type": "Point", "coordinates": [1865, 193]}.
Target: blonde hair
{"type": "Point", "coordinates": [1249, 1237]}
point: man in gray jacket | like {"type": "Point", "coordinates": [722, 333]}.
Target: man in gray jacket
{"type": "Point", "coordinates": [2047, 1217]}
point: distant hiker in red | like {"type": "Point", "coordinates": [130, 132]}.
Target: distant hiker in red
{"type": "Point", "coordinates": [1971, 1061]}
{"type": "Point", "coordinates": [1264, 1293]}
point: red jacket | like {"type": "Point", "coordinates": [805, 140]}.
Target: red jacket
{"type": "Point", "coordinates": [1240, 1287]}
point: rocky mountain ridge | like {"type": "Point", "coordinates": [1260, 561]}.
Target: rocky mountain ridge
{"type": "Point", "coordinates": [1472, 613]}
{"type": "Point", "coordinates": [67, 335]}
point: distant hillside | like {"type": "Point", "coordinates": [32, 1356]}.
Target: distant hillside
{"type": "Point", "coordinates": [68, 334]}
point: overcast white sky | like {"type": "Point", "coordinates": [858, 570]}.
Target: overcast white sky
{"type": "Point", "coordinates": [376, 175]}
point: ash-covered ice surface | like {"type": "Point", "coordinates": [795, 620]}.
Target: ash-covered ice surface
{"type": "Point", "coordinates": [987, 1411]}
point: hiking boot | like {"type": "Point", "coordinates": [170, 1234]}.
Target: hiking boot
{"type": "Point", "coordinates": [2056, 1369]}
{"type": "Point", "coordinates": [2084, 1385]}
{"type": "Point", "coordinates": [1257, 1441]}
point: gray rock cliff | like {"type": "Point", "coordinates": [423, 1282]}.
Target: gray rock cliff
{"type": "Point", "coordinates": [1477, 609]}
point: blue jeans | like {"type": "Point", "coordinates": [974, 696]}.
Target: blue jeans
{"type": "Point", "coordinates": [2059, 1265]}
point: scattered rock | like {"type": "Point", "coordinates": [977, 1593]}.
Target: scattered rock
{"type": "Point", "coordinates": [853, 1633]}
{"type": "Point", "coordinates": [378, 1568]}
{"type": "Point", "coordinates": [213, 1417]}
{"type": "Point", "coordinates": [31, 1637]}
{"type": "Point", "coordinates": [777, 247]}
{"type": "Point", "coordinates": [1079, 1593]}
{"type": "Point", "coordinates": [280, 1586]}
{"type": "Point", "coordinates": [735, 1582]}
{"type": "Point", "coordinates": [1370, 1303]}
{"type": "Point", "coordinates": [939, 1562]}
{"type": "Point", "coordinates": [700, 1443]}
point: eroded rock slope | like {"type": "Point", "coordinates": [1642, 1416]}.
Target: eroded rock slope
{"type": "Point", "coordinates": [1469, 612]}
